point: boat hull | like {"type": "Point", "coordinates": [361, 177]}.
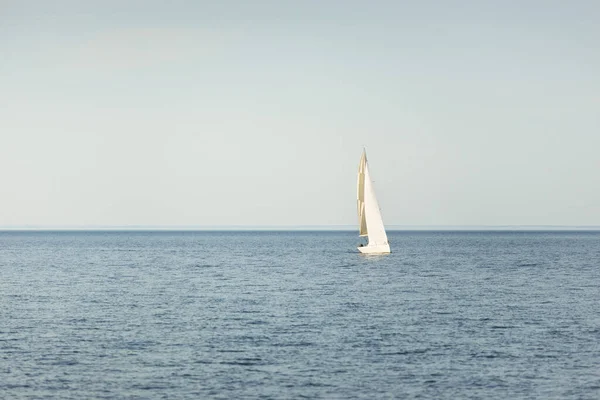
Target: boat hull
{"type": "Point", "coordinates": [374, 249]}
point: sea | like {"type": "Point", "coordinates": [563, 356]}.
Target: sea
{"type": "Point", "coordinates": [299, 315]}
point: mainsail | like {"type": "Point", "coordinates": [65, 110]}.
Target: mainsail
{"type": "Point", "coordinates": [362, 221]}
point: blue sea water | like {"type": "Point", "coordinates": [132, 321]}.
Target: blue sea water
{"type": "Point", "coordinates": [261, 315]}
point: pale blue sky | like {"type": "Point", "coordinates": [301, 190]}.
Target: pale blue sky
{"type": "Point", "coordinates": [255, 113]}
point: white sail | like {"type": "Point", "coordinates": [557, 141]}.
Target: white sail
{"type": "Point", "coordinates": [369, 215]}
{"type": "Point", "coordinates": [362, 222]}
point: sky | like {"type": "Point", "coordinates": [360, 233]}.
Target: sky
{"type": "Point", "coordinates": [203, 113]}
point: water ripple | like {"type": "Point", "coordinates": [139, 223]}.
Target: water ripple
{"type": "Point", "coordinates": [269, 315]}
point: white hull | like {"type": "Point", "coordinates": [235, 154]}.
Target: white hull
{"type": "Point", "coordinates": [384, 249]}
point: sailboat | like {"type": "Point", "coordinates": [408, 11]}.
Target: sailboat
{"type": "Point", "coordinates": [370, 222]}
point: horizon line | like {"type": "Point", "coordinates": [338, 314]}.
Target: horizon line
{"type": "Point", "coordinates": [340, 227]}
